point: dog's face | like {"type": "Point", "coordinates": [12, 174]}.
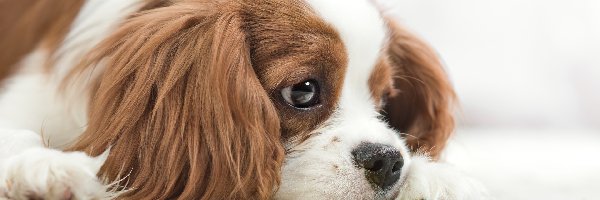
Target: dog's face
{"type": "Point", "coordinates": [327, 74]}
{"type": "Point", "coordinates": [246, 98]}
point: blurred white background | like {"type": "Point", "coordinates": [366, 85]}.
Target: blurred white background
{"type": "Point", "coordinates": [527, 73]}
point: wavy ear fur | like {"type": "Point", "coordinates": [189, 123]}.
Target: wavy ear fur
{"type": "Point", "coordinates": [422, 109]}
{"type": "Point", "coordinates": [182, 109]}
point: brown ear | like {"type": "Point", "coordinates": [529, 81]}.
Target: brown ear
{"type": "Point", "coordinates": [422, 107]}
{"type": "Point", "coordinates": [182, 109]}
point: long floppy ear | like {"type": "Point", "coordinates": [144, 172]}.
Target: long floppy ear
{"type": "Point", "coordinates": [182, 109]}
{"type": "Point", "coordinates": [422, 106]}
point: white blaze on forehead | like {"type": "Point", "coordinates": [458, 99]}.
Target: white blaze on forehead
{"type": "Point", "coordinates": [363, 32]}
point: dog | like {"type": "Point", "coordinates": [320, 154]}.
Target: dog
{"type": "Point", "coordinates": [220, 99]}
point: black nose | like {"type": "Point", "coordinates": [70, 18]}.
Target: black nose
{"type": "Point", "coordinates": [382, 163]}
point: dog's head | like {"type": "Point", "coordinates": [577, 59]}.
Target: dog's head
{"type": "Point", "coordinates": [247, 99]}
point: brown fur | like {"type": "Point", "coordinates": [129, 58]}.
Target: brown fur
{"type": "Point", "coordinates": [152, 4]}
{"type": "Point", "coordinates": [422, 107]}
{"type": "Point", "coordinates": [182, 108]}
{"type": "Point", "coordinates": [26, 24]}
{"type": "Point", "coordinates": [289, 44]}
{"type": "Point", "coordinates": [189, 100]}
{"type": "Point", "coordinates": [381, 83]}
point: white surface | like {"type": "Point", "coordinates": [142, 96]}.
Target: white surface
{"type": "Point", "coordinates": [516, 63]}
{"type": "Point", "coordinates": [530, 164]}
{"type": "Point", "coordinates": [528, 76]}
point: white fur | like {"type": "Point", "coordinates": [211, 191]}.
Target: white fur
{"type": "Point", "coordinates": [30, 170]}
{"type": "Point", "coordinates": [30, 99]}
{"type": "Point", "coordinates": [319, 168]}
{"type": "Point", "coordinates": [430, 180]}
{"type": "Point", "coordinates": [323, 168]}
{"type": "Point", "coordinates": [32, 111]}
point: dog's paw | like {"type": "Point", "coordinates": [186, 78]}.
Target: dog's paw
{"type": "Point", "coordinates": [438, 181]}
{"type": "Point", "coordinates": [41, 173]}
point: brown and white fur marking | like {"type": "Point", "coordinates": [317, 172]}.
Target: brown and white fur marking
{"type": "Point", "coordinates": [189, 99]}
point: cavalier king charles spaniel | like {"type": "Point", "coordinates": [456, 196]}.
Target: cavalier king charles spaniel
{"type": "Point", "coordinates": [220, 99]}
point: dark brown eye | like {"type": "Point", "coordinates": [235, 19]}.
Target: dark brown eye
{"type": "Point", "coordinates": [302, 95]}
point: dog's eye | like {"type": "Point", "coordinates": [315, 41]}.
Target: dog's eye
{"type": "Point", "coordinates": [302, 95]}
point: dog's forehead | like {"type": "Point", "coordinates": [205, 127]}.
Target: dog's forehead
{"type": "Point", "coordinates": [363, 32]}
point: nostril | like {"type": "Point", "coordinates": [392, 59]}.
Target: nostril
{"type": "Point", "coordinates": [382, 164]}
{"type": "Point", "coordinates": [374, 165]}
{"type": "Point", "coordinates": [397, 166]}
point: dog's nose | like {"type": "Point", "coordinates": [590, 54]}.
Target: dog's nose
{"type": "Point", "coordinates": [382, 163]}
